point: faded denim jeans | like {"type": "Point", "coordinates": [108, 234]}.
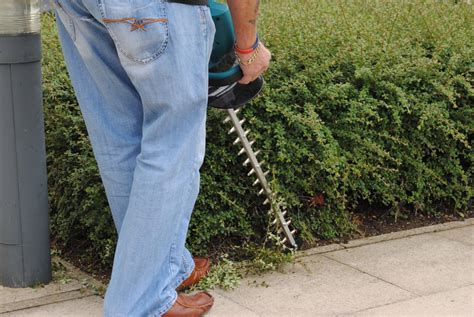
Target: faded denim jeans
{"type": "Point", "coordinates": [140, 72]}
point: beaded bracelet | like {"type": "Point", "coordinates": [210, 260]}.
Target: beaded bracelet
{"type": "Point", "coordinates": [249, 50]}
{"type": "Point", "coordinates": [252, 58]}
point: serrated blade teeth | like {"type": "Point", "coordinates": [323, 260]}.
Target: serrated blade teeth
{"type": "Point", "coordinates": [260, 192]}
{"type": "Point", "coordinates": [284, 212]}
{"type": "Point", "coordinates": [293, 231]}
{"type": "Point", "coordinates": [266, 201]}
{"type": "Point", "coordinates": [242, 121]}
{"type": "Point", "coordinates": [251, 172]}
{"type": "Point", "coordinates": [232, 130]}
{"type": "Point", "coordinates": [266, 173]}
{"type": "Point", "coordinates": [242, 151]}
{"type": "Point", "coordinates": [274, 222]}
{"type": "Point", "coordinates": [247, 161]}
{"type": "Point", "coordinates": [236, 141]}
{"type": "Point", "coordinates": [288, 222]}
{"type": "Point", "coordinates": [284, 240]}
{"type": "Point", "coordinates": [257, 153]}
{"type": "Point", "coordinates": [252, 142]}
{"type": "Point", "coordinates": [237, 111]}
{"type": "Point", "coordinates": [227, 119]}
{"type": "Point", "coordinates": [256, 182]}
{"type": "Point", "coordinates": [247, 132]}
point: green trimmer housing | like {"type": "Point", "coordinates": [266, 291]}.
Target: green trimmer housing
{"type": "Point", "coordinates": [224, 71]}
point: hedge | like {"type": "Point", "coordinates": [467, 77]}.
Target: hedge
{"type": "Point", "coordinates": [366, 104]}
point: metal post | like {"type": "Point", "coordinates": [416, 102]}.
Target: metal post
{"type": "Point", "coordinates": [25, 257]}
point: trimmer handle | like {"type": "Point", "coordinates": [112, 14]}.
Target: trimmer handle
{"type": "Point", "coordinates": [227, 77]}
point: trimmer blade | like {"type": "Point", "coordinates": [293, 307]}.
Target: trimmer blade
{"type": "Point", "coordinates": [261, 179]}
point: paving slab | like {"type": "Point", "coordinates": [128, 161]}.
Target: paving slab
{"type": "Point", "coordinates": [422, 264]}
{"type": "Point", "coordinates": [90, 306]}
{"type": "Point", "coordinates": [458, 302]}
{"type": "Point", "coordinates": [464, 235]}
{"type": "Point", "coordinates": [313, 286]}
{"type": "Point", "coordinates": [68, 284]}
{"type": "Point", "coordinates": [226, 307]}
{"type": "Point", "coordinates": [424, 273]}
{"type": "Point", "coordinates": [10, 295]}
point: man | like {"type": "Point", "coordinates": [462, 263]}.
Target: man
{"type": "Point", "coordinates": [140, 72]}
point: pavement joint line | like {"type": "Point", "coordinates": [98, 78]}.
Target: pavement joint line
{"type": "Point", "coordinates": [45, 300]}
{"type": "Point", "coordinates": [386, 237]}
{"type": "Point", "coordinates": [222, 293]}
{"type": "Point", "coordinates": [374, 276]}
{"type": "Point", "coordinates": [409, 299]}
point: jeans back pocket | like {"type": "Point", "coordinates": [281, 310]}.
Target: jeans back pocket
{"type": "Point", "coordinates": [139, 28]}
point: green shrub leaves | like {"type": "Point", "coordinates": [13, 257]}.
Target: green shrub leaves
{"type": "Point", "coordinates": [366, 103]}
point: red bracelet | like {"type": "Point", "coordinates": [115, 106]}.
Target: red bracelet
{"type": "Point", "coordinates": [248, 50]}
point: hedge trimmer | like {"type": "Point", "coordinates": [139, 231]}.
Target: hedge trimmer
{"type": "Point", "coordinates": [227, 94]}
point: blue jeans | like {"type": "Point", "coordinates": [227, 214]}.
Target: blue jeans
{"type": "Point", "coordinates": [140, 72]}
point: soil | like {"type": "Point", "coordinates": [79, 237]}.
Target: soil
{"type": "Point", "coordinates": [376, 222]}
{"type": "Point", "coordinates": [76, 254]}
{"type": "Point", "coordinates": [371, 222]}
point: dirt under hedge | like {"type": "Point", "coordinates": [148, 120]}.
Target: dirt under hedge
{"type": "Point", "coordinates": [367, 106]}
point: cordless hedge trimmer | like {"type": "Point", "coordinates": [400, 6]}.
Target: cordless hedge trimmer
{"type": "Point", "coordinates": [227, 94]}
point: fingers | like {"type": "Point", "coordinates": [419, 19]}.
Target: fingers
{"type": "Point", "coordinates": [254, 70]}
{"type": "Point", "coordinates": [252, 73]}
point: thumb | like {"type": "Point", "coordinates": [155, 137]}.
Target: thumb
{"type": "Point", "coordinates": [245, 80]}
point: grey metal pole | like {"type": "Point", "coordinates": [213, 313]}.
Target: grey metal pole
{"type": "Point", "coordinates": [25, 257]}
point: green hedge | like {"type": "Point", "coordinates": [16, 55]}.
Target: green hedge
{"type": "Point", "coordinates": [367, 103]}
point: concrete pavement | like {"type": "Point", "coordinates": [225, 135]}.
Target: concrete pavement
{"type": "Point", "coordinates": [426, 271]}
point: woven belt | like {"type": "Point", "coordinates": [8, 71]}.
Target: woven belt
{"type": "Point", "coordinates": [191, 2]}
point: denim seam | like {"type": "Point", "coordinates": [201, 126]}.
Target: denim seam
{"type": "Point", "coordinates": [183, 278]}
{"type": "Point", "coordinates": [209, 44]}
{"type": "Point", "coordinates": [170, 264]}
{"type": "Point", "coordinates": [203, 19]}
{"type": "Point", "coordinates": [153, 57]}
{"type": "Point", "coordinates": [57, 3]}
{"type": "Point", "coordinates": [166, 306]}
{"type": "Point", "coordinates": [188, 194]}
{"type": "Point", "coordinates": [178, 282]}
{"type": "Point", "coordinates": [70, 22]}
{"type": "Point", "coordinates": [187, 265]}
